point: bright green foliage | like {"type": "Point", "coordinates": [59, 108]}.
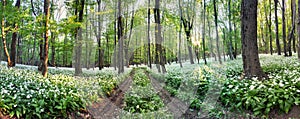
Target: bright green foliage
{"type": "Point", "coordinates": [27, 94]}
{"type": "Point", "coordinates": [142, 98]}
{"type": "Point", "coordinates": [281, 90]}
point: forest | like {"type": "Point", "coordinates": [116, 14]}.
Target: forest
{"type": "Point", "coordinates": [152, 59]}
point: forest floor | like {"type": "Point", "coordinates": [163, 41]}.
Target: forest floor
{"type": "Point", "coordinates": [111, 106]}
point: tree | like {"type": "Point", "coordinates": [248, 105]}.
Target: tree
{"type": "Point", "coordinates": [98, 34]}
{"type": "Point", "coordinates": [159, 53]}
{"type": "Point", "coordinates": [203, 32]}
{"type": "Point", "coordinates": [217, 32]}
{"type": "Point", "coordinates": [230, 31]}
{"type": "Point", "coordinates": [298, 29]}
{"type": "Point", "coordinates": [284, 29]}
{"type": "Point", "coordinates": [78, 35]}
{"type": "Point", "coordinates": [14, 39]}
{"type": "Point", "coordinates": [251, 64]}
{"type": "Point", "coordinates": [148, 35]}
{"type": "Point", "coordinates": [3, 33]}
{"type": "Point", "coordinates": [120, 39]}
{"type": "Point", "coordinates": [269, 22]}
{"type": "Point", "coordinates": [291, 35]}
{"type": "Point", "coordinates": [46, 37]}
{"type": "Point", "coordinates": [187, 20]}
{"type": "Point", "coordinates": [276, 29]}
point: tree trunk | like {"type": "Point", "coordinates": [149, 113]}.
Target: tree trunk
{"type": "Point", "coordinates": [14, 40]}
{"type": "Point", "coordinates": [9, 62]}
{"type": "Point", "coordinates": [46, 37]}
{"type": "Point", "coordinates": [158, 37]}
{"type": "Point", "coordinates": [230, 30]}
{"type": "Point", "coordinates": [276, 29]}
{"type": "Point", "coordinates": [148, 35]}
{"type": "Point", "coordinates": [120, 39]}
{"type": "Point", "coordinates": [298, 29]}
{"type": "Point", "coordinates": [115, 37]}
{"type": "Point", "coordinates": [188, 26]}
{"type": "Point", "coordinates": [250, 57]}
{"type": "Point", "coordinates": [217, 32]}
{"type": "Point", "coordinates": [212, 54]}
{"type": "Point", "coordinates": [291, 35]}
{"type": "Point", "coordinates": [270, 28]}
{"type": "Point", "coordinates": [78, 48]}
{"type": "Point", "coordinates": [284, 29]}
{"type": "Point", "coordinates": [203, 32]}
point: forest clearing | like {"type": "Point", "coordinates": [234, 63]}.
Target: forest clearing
{"type": "Point", "coordinates": [149, 59]}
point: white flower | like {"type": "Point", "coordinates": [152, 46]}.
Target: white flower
{"type": "Point", "coordinates": [298, 91]}
{"type": "Point", "coordinates": [252, 87]}
{"type": "Point", "coordinates": [280, 84]}
{"type": "Point", "coordinates": [230, 86]}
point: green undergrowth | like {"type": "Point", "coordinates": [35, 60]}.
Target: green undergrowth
{"type": "Point", "coordinates": [219, 90]}
{"type": "Point", "coordinates": [26, 94]}
{"type": "Point", "coordinates": [142, 97]}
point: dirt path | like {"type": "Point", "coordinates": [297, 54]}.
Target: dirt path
{"type": "Point", "coordinates": [110, 107]}
{"type": "Point", "coordinates": [178, 108]}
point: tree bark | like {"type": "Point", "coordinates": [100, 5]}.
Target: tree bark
{"type": "Point", "coordinates": [158, 37]}
{"type": "Point", "coordinates": [14, 40]}
{"type": "Point", "coordinates": [291, 35]}
{"type": "Point", "coordinates": [284, 29]}
{"type": "Point", "coordinates": [148, 35]}
{"type": "Point", "coordinates": [276, 29]}
{"type": "Point", "coordinates": [270, 28]}
{"type": "Point", "coordinates": [217, 32]}
{"type": "Point", "coordinates": [46, 37]}
{"type": "Point", "coordinates": [78, 46]}
{"type": "Point", "coordinates": [230, 30]}
{"type": "Point", "coordinates": [251, 64]}
{"type": "Point", "coordinates": [298, 29]}
{"type": "Point", "coordinates": [9, 62]}
{"type": "Point", "coordinates": [203, 32]}
{"type": "Point", "coordinates": [120, 39]}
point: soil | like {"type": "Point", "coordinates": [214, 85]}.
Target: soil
{"type": "Point", "coordinates": [110, 107]}
{"type": "Point", "coordinates": [294, 113]}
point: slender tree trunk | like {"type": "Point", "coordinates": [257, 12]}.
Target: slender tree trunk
{"type": "Point", "coordinates": [98, 35]}
{"type": "Point", "coordinates": [284, 29]}
{"type": "Point", "coordinates": [120, 39]}
{"type": "Point", "coordinates": [78, 48]}
{"type": "Point", "coordinates": [298, 29]}
{"type": "Point", "coordinates": [46, 37]}
{"type": "Point", "coordinates": [230, 30]}
{"type": "Point", "coordinates": [270, 27]}
{"type": "Point", "coordinates": [148, 35]}
{"type": "Point", "coordinates": [179, 40]}
{"type": "Point", "coordinates": [188, 26]}
{"type": "Point", "coordinates": [235, 42]}
{"type": "Point", "coordinates": [251, 62]}
{"type": "Point", "coordinates": [212, 54]}
{"type": "Point", "coordinates": [203, 32]}
{"type": "Point", "coordinates": [115, 38]}
{"type": "Point", "coordinates": [291, 35]}
{"type": "Point", "coordinates": [9, 62]}
{"type": "Point", "coordinates": [276, 29]}
{"type": "Point", "coordinates": [217, 32]}
{"type": "Point", "coordinates": [127, 57]}
{"type": "Point", "coordinates": [14, 40]}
